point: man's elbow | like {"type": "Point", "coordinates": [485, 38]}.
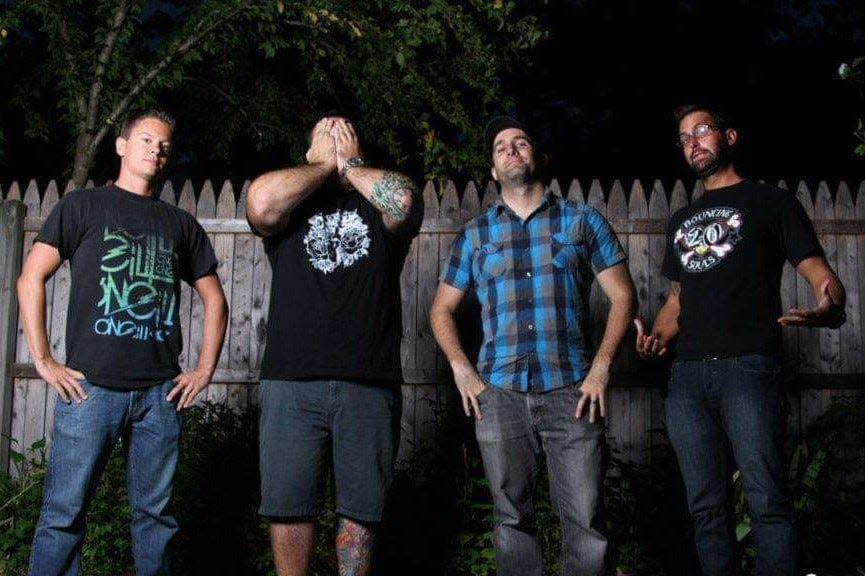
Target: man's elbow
{"type": "Point", "coordinates": [26, 286]}
{"type": "Point", "coordinates": [214, 299]}
{"type": "Point", "coordinates": [441, 311]}
{"type": "Point", "coordinates": [261, 216]}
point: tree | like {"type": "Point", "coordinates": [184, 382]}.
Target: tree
{"type": "Point", "coordinates": [425, 74]}
{"type": "Point", "coordinates": [854, 73]}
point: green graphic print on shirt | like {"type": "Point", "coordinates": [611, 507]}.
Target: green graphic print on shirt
{"type": "Point", "coordinates": [138, 290]}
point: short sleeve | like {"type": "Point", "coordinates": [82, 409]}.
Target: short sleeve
{"type": "Point", "coordinates": [797, 232]}
{"type": "Point", "coordinates": [605, 250]}
{"type": "Point", "coordinates": [199, 258]}
{"type": "Point", "coordinates": [458, 268]}
{"type": "Point", "coordinates": [66, 225]}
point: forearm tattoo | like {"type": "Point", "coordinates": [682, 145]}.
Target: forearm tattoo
{"type": "Point", "coordinates": [353, 548]}
{"type": "Point", "coordinates": [392, 194]}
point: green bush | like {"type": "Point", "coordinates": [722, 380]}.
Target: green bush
{"type": "Point", "coordinates": [826, 476]}
{"type": "Point", "coordinates": [20, 500]}
{"type": "Point", "coordinates": [473, 553]}
{"type": "Point", "coordinates": [108, 551]}
{"type": "Point", "coordinates": [216, 497]}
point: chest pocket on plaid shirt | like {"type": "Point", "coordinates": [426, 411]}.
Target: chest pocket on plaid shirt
{"type": "Point", "coordinates": [565, 251]}
{"type": "Point", "coordinates": [491, 260]}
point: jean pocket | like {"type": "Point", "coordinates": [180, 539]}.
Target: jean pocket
{"type": "Point", "coordinates": [483, 394]}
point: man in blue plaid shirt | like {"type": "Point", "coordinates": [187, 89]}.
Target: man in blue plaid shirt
{"type": "Point", "coordinates": [531, 259]}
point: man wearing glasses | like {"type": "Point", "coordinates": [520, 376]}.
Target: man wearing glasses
{"type": "Point", "coordinates": [724, 258]}
{"type": "Point", "coordinates": [538, 388]}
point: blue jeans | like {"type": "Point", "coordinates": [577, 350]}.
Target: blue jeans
{"type": "Point", "coordinates": [84, 436]}
{"type": "Point", "coordinates": [737, 400]}
{"type": "Point", "coordinates": [516, 428]}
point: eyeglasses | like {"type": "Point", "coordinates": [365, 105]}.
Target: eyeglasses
{"type": "Point", "coordinates": [699, 131]}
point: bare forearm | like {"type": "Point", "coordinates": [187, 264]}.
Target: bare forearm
{"type": "Point", "coordinates": [392, 193]}
{"type": "Point", "coordinates": [272, 196]}
{"type": "Point", "coordinates": [445, 331]}
{"type": "Point", "coordinates": [618, 323]}
{"type": "Point", "coordinates": [213, 334]}
{"type": "Point", "coordinates": [666, 325]}
{"type": "Point", "coordinates": [31, 299]}
{"type": "Point", "coordinates": [836, 289]}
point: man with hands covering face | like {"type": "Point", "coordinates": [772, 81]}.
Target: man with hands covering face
{"type": "Point", "coordinates": [336, 232]}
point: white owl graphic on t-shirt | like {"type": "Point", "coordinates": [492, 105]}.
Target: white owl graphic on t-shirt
{"type": "Point", "coordinates": [337, 239]}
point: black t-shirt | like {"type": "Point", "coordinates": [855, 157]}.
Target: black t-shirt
{"type": "Point", "coordinates": [727, 251]}
{"type": "Point", "coordinates": [127, 255]}
{"type": "Point", "coordinates": [335, 307]}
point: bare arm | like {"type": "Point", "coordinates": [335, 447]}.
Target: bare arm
{"type": "Point", "coordinates": [392, 193]}
{"type": "Point", "coordinates": [444, 327]}
{"type": "Point", "coordinates": [665, 328]}
{"type": "Point", "coordinates": [616, 283]}
{"type": "Point", "coordinates": [41, 263]}
{"type": "Point", "coordinates": [272, 196]}
{"type": "Point", "coordinates": [190, 383]}
{"type": "Point", "coordinates": [829, 294]}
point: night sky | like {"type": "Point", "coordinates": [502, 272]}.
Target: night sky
{"type": "Point", "coordinates": [603, 84]}
{"type": "Point", "coordinates": [610, 74]}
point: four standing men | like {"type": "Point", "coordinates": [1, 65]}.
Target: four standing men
{"type": "Point", "coordinates": [538, 387]}
{"type": "Point", "coordinates": [128, 252]}
{"type": "Point", "coordinates": [337, 233]}
{"type": "Point", "coordinates": [724, 258]}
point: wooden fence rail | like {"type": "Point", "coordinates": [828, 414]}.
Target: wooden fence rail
{"type": "Point", "coordinates": [826, 364]}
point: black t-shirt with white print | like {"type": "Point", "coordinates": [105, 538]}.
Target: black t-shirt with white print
{"type": "Point", "coordinates": [727, 250]}
{"type": "Point", "coordinates": [335, 307]}
{"type": "Point", "coordinates": [127, 255]}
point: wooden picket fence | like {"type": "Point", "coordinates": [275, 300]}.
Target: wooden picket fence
{"type": "Point", "coordinates": [825, 364]}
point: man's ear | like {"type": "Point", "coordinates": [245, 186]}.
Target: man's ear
{"type": "Point", "coordinates": [493, 173]}
{"type": "Point", "coordinates": [120, 146]}
{"type": "Point", "coordinates": [732, 136]}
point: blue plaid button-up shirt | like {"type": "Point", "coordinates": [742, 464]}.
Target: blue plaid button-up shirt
{"type": "Point", "coordinates": [533, 280]}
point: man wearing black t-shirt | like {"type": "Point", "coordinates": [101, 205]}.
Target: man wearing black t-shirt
{"type": "Point", "coordinates": [336, 233]}
{"type": "Point", "coordinates": [724, 258]}
{"type": "Point", "coordinates": [128, 252]}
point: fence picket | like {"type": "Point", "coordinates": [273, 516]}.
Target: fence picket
{"type": "Point", "coordinates": [848, 272]}
{"type": "Point", "coordinates": [824, 209]}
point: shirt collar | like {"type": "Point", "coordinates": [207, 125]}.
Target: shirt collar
{"type": "Point", "coordinates": [547, 200]}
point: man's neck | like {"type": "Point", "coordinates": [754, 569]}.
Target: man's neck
{"type": "Point", "coordinates": [523, 199]}
{"type": "Point", "coordinates": [723, 177]}
{"type": "Point", "coordinates": [135, 184]}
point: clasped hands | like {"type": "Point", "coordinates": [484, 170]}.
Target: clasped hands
{"type": "Point", "coordinates": [333, 142]}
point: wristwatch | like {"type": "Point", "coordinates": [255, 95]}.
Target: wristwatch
{"type": "Point", "coordinates": [352, 162]}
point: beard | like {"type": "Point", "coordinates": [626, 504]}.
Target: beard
{"type": "Point", "coordinates": [711, 162]}
{"type": "Point", "coordinates": [519, 175]}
